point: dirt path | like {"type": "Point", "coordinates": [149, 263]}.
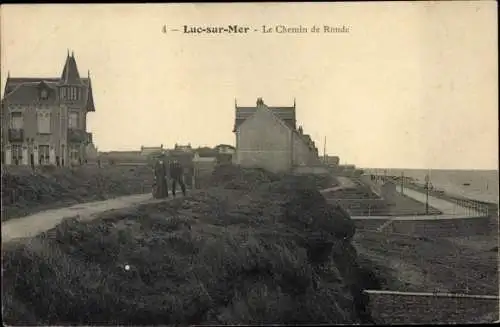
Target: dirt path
{"type": "Point", "coordinates": [32, 225]}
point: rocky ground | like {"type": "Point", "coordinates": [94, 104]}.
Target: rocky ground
{"type": "Point", "coordinates": [25, 192]}
{"type": "Point", "coordinates": [254, 248]}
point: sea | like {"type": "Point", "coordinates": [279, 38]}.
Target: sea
{"type": "Point", "coordinates": [480, 185]}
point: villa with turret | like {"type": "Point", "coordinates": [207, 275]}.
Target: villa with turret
{"type": "Point", "coordinates": [44, 119]}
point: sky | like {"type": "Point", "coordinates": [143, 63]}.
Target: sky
{"type": "Point", "coordinates": [412, 84]}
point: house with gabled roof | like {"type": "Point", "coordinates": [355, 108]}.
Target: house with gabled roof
{"type": "Point", "coordinates": [44, 119]}
{"type": "Point", "coordinates": [267, 137]}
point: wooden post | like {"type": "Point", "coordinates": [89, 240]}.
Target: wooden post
{"type": "Point", "coordinates": [427, 194]}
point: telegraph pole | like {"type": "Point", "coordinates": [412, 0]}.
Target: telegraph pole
{"type": "Point", "coordinates": [402, 182]}
{"type": "Point", "coordinates": [324, 151]}
{"type": "Point", "coordinates": [427, 194]}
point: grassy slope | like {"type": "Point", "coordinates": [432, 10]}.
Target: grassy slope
{"type": "Point", "coordinates": [238, 253]}
{"type": "Point", "coordinates": [431, 264]}
{"type": "Point", "coordinates": [411, 263]}
{"type": "Point", "coordinates": [24, 193]}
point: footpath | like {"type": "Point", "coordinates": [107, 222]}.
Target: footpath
{"type": "Point", "coordinates": [34, 224]}
{"type": "Point", "coordinates": [446, 207]}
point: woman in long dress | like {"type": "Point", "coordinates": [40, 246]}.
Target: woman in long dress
{"type": "Point", "coordinates": [160, 188]}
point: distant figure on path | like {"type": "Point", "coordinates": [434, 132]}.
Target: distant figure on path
{"type": "Point", "coordinates": [176, 173]}
{"type": "Point", "coordinates": [160, 187]}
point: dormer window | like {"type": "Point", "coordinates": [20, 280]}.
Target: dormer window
{"type": "Point", "coordinates": [44, 95]}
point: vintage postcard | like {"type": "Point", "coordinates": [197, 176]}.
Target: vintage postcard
{"type": "Point", "coordinates": [250, 163]}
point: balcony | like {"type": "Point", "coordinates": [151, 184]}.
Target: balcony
{"type": "Point", "coordinates": [77, 136]}
{"type": "Point", "coordinates": [16, 135]}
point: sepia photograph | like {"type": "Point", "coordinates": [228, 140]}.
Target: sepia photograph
{"type": "Point", "coordinates": [253, 163]}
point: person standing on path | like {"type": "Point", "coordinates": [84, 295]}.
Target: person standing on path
{"type": "Point", "coordinates": [176, 173]}
{"type": "Point", "coordinates": [160, 188]}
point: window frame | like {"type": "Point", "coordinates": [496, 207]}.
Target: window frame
{"type": "Point", "coordinates": [72, 114]}
{"type": "Point", "coordinates": [44, 119]}
{"type": "Point", "coordinates": [16, 154]}
{"type": "Point", "coordinates": [16, 116]}
{"type": "Point", "coordinates": [44, 157]}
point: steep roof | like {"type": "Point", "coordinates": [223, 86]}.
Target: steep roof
{"type": "Point", "coordinates": [287, 114]}
{"type": "Point", "coordinates": [26, 90]}
{"type": "Point", "coordinates": [90, 94]}
{"type": "Point", "coordinates": [262, 106]}
{"type": "Point", "coordinates": [306, 139]}
{"type": "Point", "coordinates": [70, 73]}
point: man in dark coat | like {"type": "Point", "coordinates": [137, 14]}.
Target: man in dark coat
{"type": "Point", "coordinates": [160, 187]}
{"type": "Point", "coordinates": [176, 173]}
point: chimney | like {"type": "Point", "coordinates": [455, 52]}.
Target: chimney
{"type": "Point", "coordinates": [260, 102]}
{"type": "Point", "coordinates": [301, 130]}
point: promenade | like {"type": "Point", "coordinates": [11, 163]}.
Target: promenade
{"type": "Point", "coordinates": [448, 208]}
